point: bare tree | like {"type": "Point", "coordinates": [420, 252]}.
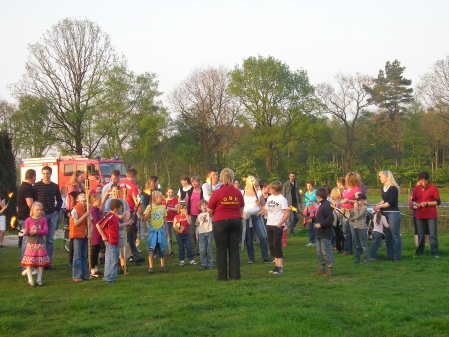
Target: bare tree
{"type": "Point", "coordinates": [346, 104]}
{"type": "Point", "coordinates": [67, 68]}
{"type": "Point", "coordinates": [204, 106]}
{"type": "Point", "coordinates": [433, 89]}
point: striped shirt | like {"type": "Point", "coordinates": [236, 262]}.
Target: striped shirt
{"type": "Point", "coordinates": [47, 194]}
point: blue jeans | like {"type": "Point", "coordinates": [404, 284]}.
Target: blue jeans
{"type": "Point", "coordinates": [110, 263]}
{"type": "Point", "coordinates": [227, 236]}
{"type": "Point", "coordinates": [311, 228]}
{"type": "Point", "coordinates": [324, 252]}
{"type": "Point", "coordinates": [80, 269]}
{"type": "Point", "coordinates": [205, 245]}
{"type": "Point", "coordinates": [259, 228]}
{"type": "Point", "coordinates": [422, 224]}
{"type": "Point", "coordinates": [348, 234]}
{"type": "Point", "coordinates": [169, 236]}
{"type": "Point", "coordinates": [50, 239]}
{"type": "Point", "coordinates": [184, 241]}
{"type": "Point", "coordinates": [377, 241]}
{"type": "Point", "coordinates": [393, 238]}
{"type": "Point", "coordinates": [361, 244]}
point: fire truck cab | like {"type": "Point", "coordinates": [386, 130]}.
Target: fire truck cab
{"type": "Point", "coordinates": [98, 170]}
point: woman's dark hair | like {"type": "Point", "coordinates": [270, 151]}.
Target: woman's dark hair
{"type": "Point", "coordinates": [322, 193]}
{"type": "Point", "coordinates": [311, 182]}
{"type": "Point", "coordinates": [423, 175]}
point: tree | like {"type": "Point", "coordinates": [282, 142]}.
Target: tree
{"type": "Point", "coordinates": [391, 92]}
{"type": "Point", "coordinates": [346, 104]}
{"type": "Point", "coordinates": [275, 100]}
{"type": "Point", "coordinates": [434, 89]}
{"type": "Point", "coordinates": [31, 127]}
{"type": "Point", "coordinates": [204, 105]}
{"type": "Point", "coordinates": [68, 69]}
{"type": "Point", "coordinates": [8, 179]}
{"type": "Point", "coordinates": [6, 111]}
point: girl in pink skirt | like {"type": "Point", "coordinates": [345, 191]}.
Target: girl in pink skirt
{"type": "Point", "coordinates": [35, 252]}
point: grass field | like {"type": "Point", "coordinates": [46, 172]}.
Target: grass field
{"type": "Point", "coordinates": [405, 298]}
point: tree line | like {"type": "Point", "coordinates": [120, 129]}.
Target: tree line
{"type": "Point", "coordinates": [78, 95]}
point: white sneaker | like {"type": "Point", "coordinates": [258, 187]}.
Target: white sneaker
{"type": "Point", "coordinates": [310, 244]}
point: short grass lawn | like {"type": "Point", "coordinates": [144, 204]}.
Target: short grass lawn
{"type": "Point", "coordinates": [405, 298]}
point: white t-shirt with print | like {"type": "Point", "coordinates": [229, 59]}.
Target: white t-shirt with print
{"type": "Point", "coordinates": [275, 206]}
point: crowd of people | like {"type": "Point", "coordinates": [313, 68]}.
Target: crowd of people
{"type": "Point", "coordinates": [108, 223]}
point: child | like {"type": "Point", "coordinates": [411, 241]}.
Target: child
{"type": "Point", "coordinates": [95, 237]}
{"type": "Point", "coordinates": [78, 232]}
{"type": "Point", "coordinates": [108, 227]}
{"type": "Point", "coordinates": [157, 237]}
{"type": "Point", "coordinates": [205, 236]}
{"type": "Point", "coordinates": [181, 227]}
{"type": "Point", "coordinates": [35, 252]}
{"type": "Point", "coordinates": [324, 226]}
{"type": "Point", "coordinates": [277, 212]}
{"type": "Point", "coordinates": [171, 204]}
{"type": "Point", "coordinates": [360, 229]}
{"type": "Point", "coordinates": [379, 222]}
{"type": "Point", "coordinates": [339, 237]}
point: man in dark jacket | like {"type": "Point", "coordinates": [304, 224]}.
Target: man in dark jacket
{"type": "Point", "coordinates": [290, 191]}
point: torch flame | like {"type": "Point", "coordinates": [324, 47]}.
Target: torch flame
{"type": "Point", "coordinates": [12, 222]}
{"type": "Point", "coordinates": [301, 192]}
{"type": "Point", "coordinates": [147, 191]}
{"type": "Point", "coordinates": [208, 180]}
{"type": "Point", "coordinates": [10, 194]}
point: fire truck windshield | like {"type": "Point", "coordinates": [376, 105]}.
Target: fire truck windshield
{"type": "Point", "coordinates": [107, 168]}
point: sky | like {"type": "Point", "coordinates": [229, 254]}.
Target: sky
{"type": "Point", "coordinates": [172, 38]}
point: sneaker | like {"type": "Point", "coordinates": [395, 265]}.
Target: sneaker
{"type": "Point", "coordinates": [268, 260]}
{"type": "Point", "coordinates": [192, 262]}
{"type": "Point", "coordinates": [151, 271]}
{"type": "Point", "coordinates": [320, 272]}
{"type": "Point", "coordinates": [96, 274]}
{"type": "Point", "coordinates": [2, 247]}
{"type": "Point", "coordinates": [251, 261]}
{"type": "Point", "coordinates": [77, 280]}
{"type": "Point", "coordinates": [131, 259]}
{"type": "Point", "coordinates": [310, 244]}
{"type": "Point", "coordinates": [280, 270]}
{"type": "Point", "coordinates": [436, 256]}
{"type": "Point", "coordinates": [163, 270]}
{"type": "Point", "coordinates": [274, 270]}
{"type": "Point", "coordinates": [181, 263]}
{"type": "Point", "coordinates": [202, 268]}
{"type": "Point", "coordinates": [329, 273]}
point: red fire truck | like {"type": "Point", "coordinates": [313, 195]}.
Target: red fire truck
{"type": "Point", "coordinates": [99, 170]}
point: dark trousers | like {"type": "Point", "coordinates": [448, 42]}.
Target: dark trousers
{"type": "Point", "coordinates": [275, 241]}
{"type": "Point", "coordinates": [71, 252]}
{"type": "Point", "coordinates": [94, 251]}
{"type": "Point", "coordinates": [339, 237]}
{"type": "Point", "coordinates": [227, 236]}
{"type": "Point", "coordinates": [132, 236]}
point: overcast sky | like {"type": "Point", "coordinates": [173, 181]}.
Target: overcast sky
{"type": "Point", "coordinates": [172, 38]}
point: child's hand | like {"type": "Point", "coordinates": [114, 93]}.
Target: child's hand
{"type": "Point", "coordinates": [33, 230]}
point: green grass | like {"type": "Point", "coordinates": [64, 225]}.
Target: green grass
{"type": "Point", "coordinates": [406, 298]}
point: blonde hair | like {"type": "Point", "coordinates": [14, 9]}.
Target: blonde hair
{"type": "Point", "coordinates": [250, 181]}
{"type": "Point", "coordinates": [227, 176]}
{"type": "Point", "coordinates": [390, 179]}
{"type": "Point", "coordinates": [154, 195]}
{"type": "Point", "coordinates": [74, 177]}
{"type": "Point", "coordinates": [335, 193]}
{"type": "Point", "coordinates": [36, 203]}
{"type": "Point", "coordinates": [94, 197]}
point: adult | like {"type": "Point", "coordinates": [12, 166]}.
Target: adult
{"type": "Point", "coordinates": [185, 187]}
{"type": "Point", "coordinates": [25, 199]}
{"type": "Point", "coordinates": [425, 199]}
{"type": "Point", "coordinates": [362, 185]}
{"type": "Point", "coordinates": [47, 193]}
{"type": "Point", "coordinates": [133, 201]}
{"type": "Point", "coordinates": [193, 197]}
{"type": "Point", "coordinates": [212, 185]}
{"type": "Point", "coordinates": [237, 184]}
{"type": "Point", "coordinates": [310, 211]}
{"type": "Point", "coordinates": [3, 208]}
{"type": "Point", "coordinates": [115, 177]}
{"type": "Point", "coordinates": [226, 206]}
{"type": "Point", "coordinates": [389, 208]}
{"type": "Point", "coordinates": [252, 223]}
{"type": "Point", "coordinates": [75, 187]}
{"type": "Point", "coordinates": [349, 195]}
{"type": "Point", "coordinates": [290, 191]}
